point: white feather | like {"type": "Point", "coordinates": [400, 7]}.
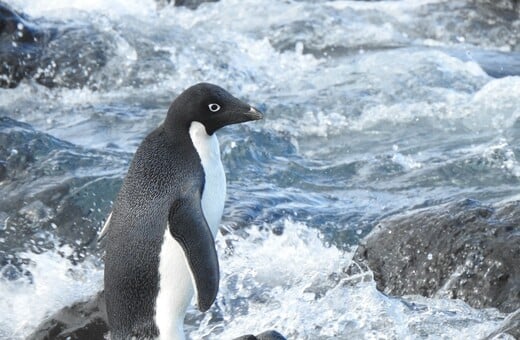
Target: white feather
{"type": "Point", "coordinates": [104, 230]}
{"type": "Point", "coordinates": [175, 290]}
{"type": "Point", "coordinates": [214, 194]}
{"type": "Point", "coordinates": [176, 285]}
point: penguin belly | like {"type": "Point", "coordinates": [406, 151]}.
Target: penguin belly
{"type": "Point", "coordinates": [176, 282]}
{"type": "Point", "coordinates": [175, 290]}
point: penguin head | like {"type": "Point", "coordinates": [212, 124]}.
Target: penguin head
{"type": "Point", "coordinates": [210, 105]}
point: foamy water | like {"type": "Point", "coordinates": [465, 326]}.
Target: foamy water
{"type": "Point", "coordinates": [55, 284]}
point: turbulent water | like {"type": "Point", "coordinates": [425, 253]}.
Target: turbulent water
{"type": "Point", "coordinates": [371, 109]}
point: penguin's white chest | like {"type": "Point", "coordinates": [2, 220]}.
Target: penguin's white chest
{"type": "Point", "coordinates": [176, 285]}
{"type": "Point", "coordinates": [214, 192]}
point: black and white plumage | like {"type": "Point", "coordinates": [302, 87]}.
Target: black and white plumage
{"type": "Point", "coordinates": [160, 235]}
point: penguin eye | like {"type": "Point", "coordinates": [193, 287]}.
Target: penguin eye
{"type": "Point", "coordinates": [214, 107]}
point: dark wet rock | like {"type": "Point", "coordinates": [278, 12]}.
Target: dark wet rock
{"type": "Point", "coordinates": [3, 171]}
{"type": "Point", "coordinates": [83, 320]}
{"type": "Point", "coordinates": [50, 194]}
{"type": "Point", "coordinates": [510, 326]}
{"type": "Point", "coordinates": [268, 335]}
{"type": "Point", "coordinates": [466, 251]}
{"type": "Point", "coordinates": [191, 4]}
{"type": "Point", "coordinates": [21, 45]}
{"type": "Point", "coordinates": [50, 52]}
{"type": "Point", "coordinates": [74, 55]}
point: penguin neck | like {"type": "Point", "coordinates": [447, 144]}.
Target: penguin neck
{"type": "Point", "coordinates": [207, 146]}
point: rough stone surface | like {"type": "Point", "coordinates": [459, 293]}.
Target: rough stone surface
{"type": "Point", "coordinates": [466, 251]}
{"type": "Point", "coordinates": [82, 320]}
{"type": "Point", "coordinates": [191, 4]}
{"type": "Point", "coordinates": [51, 53]}
{"type": "Point", "coordinates": [21, 45]}
{"type": "Point", "coordinates": [268, 335]}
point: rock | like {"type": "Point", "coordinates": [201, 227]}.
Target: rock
{"type": "Point", "coordinates": [21, 45]}
{"type": "Point", "coordinates": [466, 251]}
{"type": "Point", "coordinates": [191, 4]}
{"type": "Point", "coordinates": [268, 335]}
{"type": "Point", "coordinates": [3, 171]}
{"type": "Point", "coordinates": [74, 56]}
{"type": "Point", "coordinates": [50, 52]}
{"type": "Point", "coordinates": [83, 320]}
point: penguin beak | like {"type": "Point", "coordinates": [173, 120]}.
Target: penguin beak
{"type": "Point", "coordinates": [233, 117]}
{"type": "Point", "coordinates": [254, 114]}
{"type": "Point", "coordinates": [239, 116]}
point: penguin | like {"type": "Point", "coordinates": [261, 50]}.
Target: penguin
{"type": "Point", "coordinates": [160, 248]}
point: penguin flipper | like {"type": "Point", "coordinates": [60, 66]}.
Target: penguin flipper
{"type": "Point", "coordinates": [189, 227]}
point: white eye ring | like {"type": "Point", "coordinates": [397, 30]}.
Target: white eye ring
{"type": "Point", "coordinates": [214, 107]}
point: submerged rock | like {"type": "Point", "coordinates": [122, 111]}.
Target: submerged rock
{"type": "Point", "coordinates": [466, 251]}
{"type": "Point", "coordinates": [52, 193]}
{"type": "Point", "coordinates": [51, 52]}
